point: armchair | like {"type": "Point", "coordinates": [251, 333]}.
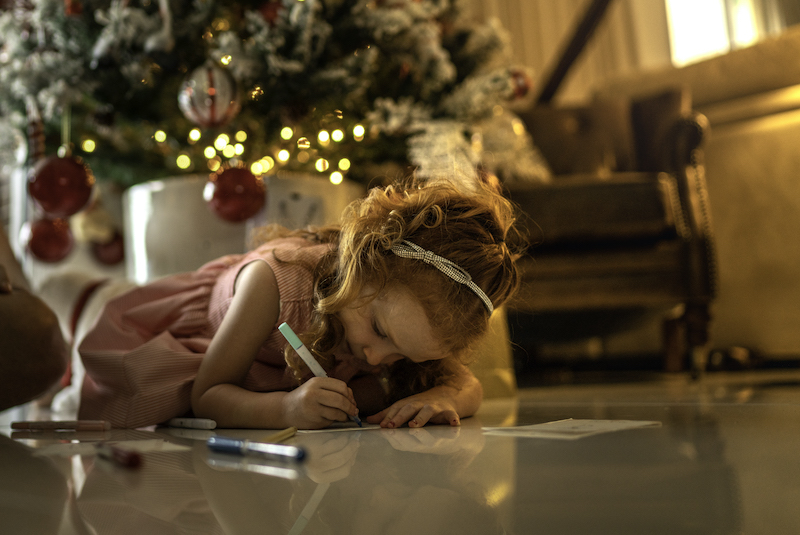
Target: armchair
{"type": "Point", "coordinates": [625, 224]}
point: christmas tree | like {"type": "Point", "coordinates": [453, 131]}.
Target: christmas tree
{"type": "Point", "coordinates": [342, 88]}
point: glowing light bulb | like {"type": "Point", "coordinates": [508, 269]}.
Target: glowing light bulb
{"type": "Point", "coordinates": [221, 142]}
{"type": "Point", "coordinates": [303, 143]}
{"type": "Point", "coordinates": [321, 165]}
{"type": "Point", "coordinates": [238, 149]}
{"type": "Point", "coordinates": [267, 163]}
{"type": "Point", "coordinates": [344, 164]}
{"type": "Point", "coordinates": [241, 136]}
{"type": "Point", "coordinates": [336, 177]}
{"type": "Point", "coordinates": [88, 145]}
{"type": "Point", "coordinates": [183, 161]}
{"type": "Point", "coordinates": [256, 93]}
{"type": "Point", "coordinates": [226, 59]}
{"type": "Point", "coordinates": [337, 135]}
{"type": "Point", "coordinates": [324, 136]}
{"type": "Point", "coordinates": [286, 133]}
{"type": "Point", "coordinates": [283, 155]}
{"type": "Point", "coordinates": [194, 134]}
{"type": "Point", "coordinates": [160, 136]}
{"type": "Point", "coordinates": [214, 164]}
{"type": "Point", "coordinates": [209, 152]}
{"type": "Point", "coordinates": [229, 151]}
{"type": "Point", "coordinates": [256, 168]}
{"type": "Point", "coordinates": [358, 132]}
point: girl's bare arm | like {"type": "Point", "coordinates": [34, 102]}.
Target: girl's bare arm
{"type": "Point", "coordinates": [217, 392]}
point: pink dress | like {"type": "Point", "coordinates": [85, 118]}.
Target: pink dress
{"type": "Point", "coordinates": [143, 354]}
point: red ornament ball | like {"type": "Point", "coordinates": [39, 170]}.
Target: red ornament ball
{"type": "Point", "coordinates": [61, 186]}
{"type": "Point", "coordinates": [209, 96]}
{"type": "Point", "coordinates": [521, 83]}
{"type": "Point", "coordinates": [271, 10]}
{"type": "Point", "coordinates": [235, 194]}
{"type": "Point", "coordinates": [49, 240]}
{"type": "Point", "coordinates": [111, 252]}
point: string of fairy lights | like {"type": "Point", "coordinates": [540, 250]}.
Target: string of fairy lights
{"type": "Point", "coordinates": [226, 147]}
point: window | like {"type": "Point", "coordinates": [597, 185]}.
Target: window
{"type": "Point", "coordinates": [700, 29]}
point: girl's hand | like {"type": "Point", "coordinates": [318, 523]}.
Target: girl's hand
{"type": "Point", "coordinates": [318, 402]}
{"type": "Point", "coordinates": [437, 406]}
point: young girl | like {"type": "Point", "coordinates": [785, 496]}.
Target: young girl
{"type": "Point", "coordinates": [389, 303]}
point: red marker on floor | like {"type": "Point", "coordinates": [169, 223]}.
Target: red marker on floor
{"type": "Point", "coordinates": [121, 456]}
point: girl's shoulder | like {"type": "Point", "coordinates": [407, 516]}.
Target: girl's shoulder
{"type": "Point", "coordinates": [292, 250]}
{"type": "Point", "coordinates": [293, 261]}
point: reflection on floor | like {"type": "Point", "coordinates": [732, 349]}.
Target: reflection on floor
{"type": "Point", "coordinates": [723, 460]}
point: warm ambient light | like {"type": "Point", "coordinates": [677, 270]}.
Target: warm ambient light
{"type": "Point", "coordinates": [283, 155]}
{"type": "Point", "coordinates": [88, 145]}
{"type": "Point", "coordinates": [286, 133]}
{"type": "Point", "coordinates": [194, 134]}
{"type": "Point", "coordinates": [160, 136]}
{"type": "Point", "coordinates": [336, 177]}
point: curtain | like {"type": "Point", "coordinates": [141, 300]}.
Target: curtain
{"type": "Point", "coordinates": [632, 36]}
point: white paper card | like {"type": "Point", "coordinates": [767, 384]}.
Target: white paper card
{"type": "Point", "coordinates": [569, 429]}
{"type": "Point", "coordinates": [344, 426]}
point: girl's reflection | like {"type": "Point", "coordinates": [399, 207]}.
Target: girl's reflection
{"type": "Point", "coordinates": [421, 484]}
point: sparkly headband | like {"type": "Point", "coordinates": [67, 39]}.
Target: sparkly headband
{"type": "Point", "coordinates": [407, 249]}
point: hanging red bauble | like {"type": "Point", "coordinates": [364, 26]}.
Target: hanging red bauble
{"type": "Point", "coordinates": [235, 194]}
{"type": "Point", "coordinates": [521, 83]}
{"type": "Point", "coordinates": [49, 240]}
{"type": "Point", "coordinates": [111, 252]}
{"type": "Point", "coordinates": [73, 8]}
{"type": "Point", "coordinates": [209, 96]}
{"type": "Point", "coordinates": [61, 186]}
{"type": "Point", "coordinates": [270, 10]}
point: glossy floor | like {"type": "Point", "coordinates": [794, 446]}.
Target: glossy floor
{"type": "Point", "coordinates": [722, 459]}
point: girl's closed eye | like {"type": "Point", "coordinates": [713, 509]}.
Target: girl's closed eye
{"type": "Point", "coordinates": [377, 329]}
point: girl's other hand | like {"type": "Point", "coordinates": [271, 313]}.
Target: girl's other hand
{"type": "Point", "coordinates": [318, 402]}
{"type": "Point", "coordinates": [433, 406]}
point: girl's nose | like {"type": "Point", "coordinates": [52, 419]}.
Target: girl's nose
{"type": "Point", "coordinates": [380, 352]}
{"type": "Point", "coordinates": [373, 355]}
